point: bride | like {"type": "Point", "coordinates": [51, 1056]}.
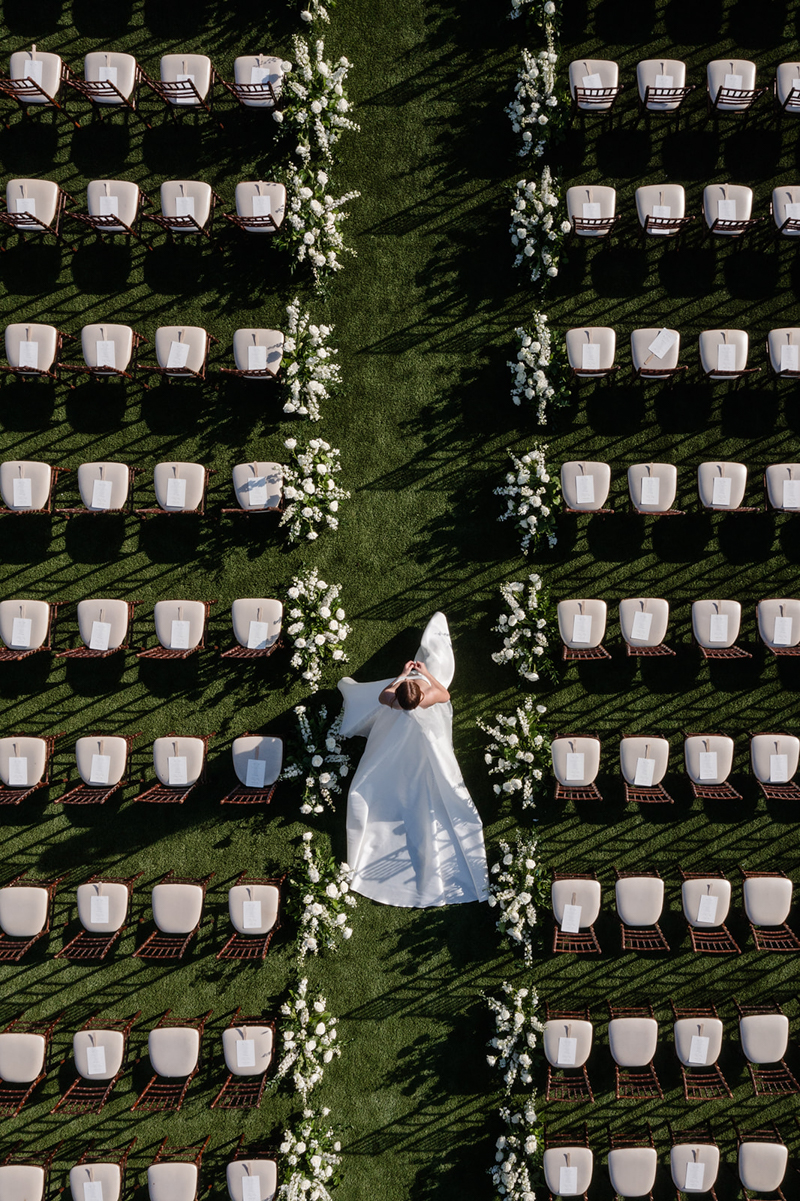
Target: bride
{"type": "Point", "coordinates": [414, 836]}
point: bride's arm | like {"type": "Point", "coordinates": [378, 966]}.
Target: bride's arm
{"type": "Point", "coordinates": [387, 696]}
{"type": "Point", "coordinates": [437, 694]}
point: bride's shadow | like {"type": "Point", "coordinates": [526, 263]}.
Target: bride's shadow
{"type": "Point", "coordinates": [401, 647]}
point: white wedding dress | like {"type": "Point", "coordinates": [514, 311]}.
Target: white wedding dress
{"type": "Point", "coordinates": [414, 836]}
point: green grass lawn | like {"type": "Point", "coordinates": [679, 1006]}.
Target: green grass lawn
{"type": "Point", "coordinates": [424, 319]}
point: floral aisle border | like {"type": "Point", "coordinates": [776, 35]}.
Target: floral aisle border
{"type": "Point", "coordinates": [311, 490]}
{"type": "Point", "coordinates": [532, 499]}
{"type": "Point", "coordinates": [319, 757]}
{"type": "Point", "coordinates": [516, 1037]}
{"type": "Point", "coordinates": [317, 629]}
{"type": "Point", "coordinates": [540, 372]}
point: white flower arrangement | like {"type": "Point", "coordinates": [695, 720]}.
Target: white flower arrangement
{"type": "Point", "coordinates": [539, 372]}
{"type": "Point", "coordinates": [311, 229]}
{"type": "Point", "coordinates": [308, 1038]}
{"type": "Point", "coordinates": [316, 628]}
{"type": "Point", "coordinates": [532, 499]}
{"type": "Point", "coordinates": [319, 901]}
{"type": "Point", "coordinates": [524, 629]}
{"type": "Point", "coordinates": [312, 493]}
{"type": "Point", "coordinates": [316, 9]}
{"type": "Point", "coordinates": [311, 372]}
{"type": "Point", "coordinates": [519, 751]}
{"type": "Point", "coordinates": [315, 105]}
{"type": "Point", "coordinates": [320, 760]}
{"type": "Point", "coordinates": [514, 1155]}
{"type": "Point", "coordinates": [517, 1030]}
{"type": "Point", "coordinates": [538, 112]}
{"type": "Point", "coordinates": [546, 13]}
{"type": "Point", "coordinates": [535, 228]}
{"type": "Point", "coordinates": [519, 885]}
{"type": "Point", "coordinates": [312, 1154]}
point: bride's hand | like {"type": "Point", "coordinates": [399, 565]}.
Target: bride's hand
{"type": "Point", "coordinates": [409, 666]}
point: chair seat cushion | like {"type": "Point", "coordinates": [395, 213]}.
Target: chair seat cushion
{"type": "Point", "coordinates": [174, 1051]}
{"type": "Point", "coordinates": [46, 71]}
{"type": "Point", "coordinates": [93, 1066]}
{"type": "Point", "coordinates": [20, 339]}
{"type": "Point", "coordinates": [767, 900]}
{"type": "Point", "coordinates": [22, 1182]}
{"type": "Point", "coordinates": [36, 197]}
{"type": "Point", "coordinates": [762, 1166]}
{"type": "Point", "coordinates": [112, 67]}
{"type": "Point", "coordinates": [764, 1037]}
{"type": "Point", "coordinates": [177, 908]}
{"type": "Point", "coordinates": [188, 495]}
{"type": "Point", "coordinates": [187, 198]}
{"type": "Point", "coordinates": [265, 1170]}
{"type": "Point", "coordinates": [22, 637]}
{"type": "Point", "coordinates": [98, 499]}
{"type": "Point", "coordinates": [22, 761]}
{"type": "Point", "coordinates": [261, 748]}
{"type": "Point", "coordinates": [21, 1057]}
{"type": "Point", "coordinates": [174, 67]}
{"type": "Point", "coordinates": [101, 762]}
{"type": "Point", "coordinates": [632, 1041]}
{"type": "Point", "coordinates": [169, 338]}
{"type": "Point", "coordinates": [108, 1175]}
{"type": "Point", "coordinates": [172, 1182]}
{"type": "Point", "coordinates": [239, 1054]}
{"type": "Point", "coordinates": [97, 917]}
{"type": "Point", "coordinates": [269, 341]}
{"type": "Point", "coordinates": [113, 198]}
{"type": "Point", "coordinates": [191, 749]}
{"type": "Point", "coordinates": [640, 900]}
{"type": "Point", "coordinates": [266, 896]}
{"type": "Point", "coordinates": [23, 911]}
{"type": "Point", "coordinates": [684, 1154]}
{"type": "Point", "coordinates": [632, 1170]}
{"type": "Point", "coordinates": [116, 346]}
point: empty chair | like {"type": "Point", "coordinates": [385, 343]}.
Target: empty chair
{"type": "Point", "coordinates": [576, 905]}
{"type": "Point", "coordinates": [591, 210]}
{"type": "Point", "coordinates": [108, 350]}
{"type": "Point", "coordinates": [785, 210]}
{"type": "Point", "coordinates": [786, 87]}
{"type": "Point", "coordinates": [103, 627]}
{"type": "Point", "coordinates": [26, 628]}
{"type": "Point", "coordinates": [727, 210]}
{"type": "Point", "coordinates": [260, 207]}
{"type": "Point", "coordinates": [723, 354]}
{"type": "Point", "coordinates": [640, 901]}
{"type": "Point", "coordinates": [643, 622]}
{"type": "Point", "coordinates": [34, 206]}
{"type": "Point", "coordinates": [34, 81]}
{"type": "Point", "coordinates": [174, 1050]}
{"type": "Point", "coordinates": [781, 483]}
{"type": "Point", "coordinates": [662, 86]}
{"type": "Point", "coordinates": [113, 208]}
{"type": "Point", "coordinates": [661, 209]}
{"type": "Point", "coordinates": [590, 353]}
{"type": "Point", "coordinates": [181, 351]}
{"type": "Point", "coordinates": [594, 84]}
{"type": "Point", "coordinates": [179, 764]}
{"type": "Point", "coordinates": [256, 627]}
{"type": "Point", "coordinates": [576, 762]}
{"type": "Point", "coordinates": [568, 1163]}
{"type": "Point", "coordinates": [25, 1175]}
{"type": "Point", "coordinates": [721, 486]}
{"type": "Point", "coordinates": [104, 1166]}
{"type": "Point", "coordinates": [783, 350]}
{"type": "Point", "coordinates": [103, 488]}
{"type": "Point", "coordinates": [24, 1053]}
{"type": "Point", "coordinates": [248, 1046]}
{"type": "Point", "coordinates": [254, 908]}
{"type": "Point", "coordinates": [632, 1040]}
{"type": "Point", "coordinates": [762, 1160]}
{"type": "Point", "coordinates": [709, 759]}
{"type": "Point", "coordinates": [187, 82]}
{"type": "Point", "coordinates": [644, 763]}
{"type": "Point", "coordinates": [694, 1160]}
{"type": "Point", "coordinates": [257, 80]}
{"type": "Point", "coordinates": [180, 629]}
{"type": "Point", "coordinates": [585, 487]}
{"type": "Point", "coordinates": [111, 80]}
{"type": "Point", "coordinates": [24, 767]}
{"type": "Point", "coordinates": [632, 1163]}
{"type": "Point", "coordinates": [177, 913]}
{"type": "Point", "coordinates": [27, 487]}
{"type": "Point", "coordinates": [33, 349]}
{"type": "Point", "coordinates": [99, 1051]}
{"type": "Point", "coordinates": [102, 761]}
{"type": "Point", "coordinates": [103, 904]}
{"type": "Point", "coordinates": [26, 911]}
{"type": "Point", "coordinates": [257, 762]}
{"type": "Point", "coordinates": [764, 1035]}
{"type": "Point", "coordinates": [767, 901]}
{"type": "Point", "coordinates": [567, 1041]}
{"type": "Point", "coordinates": [187, 207]}
{"type": "Point", "coordinates": [652, 488]}
{"type": "Point", "coordinates": [257, 353]}
{"type": "Point", "coordinates": [697, 1032]}
{"type": "Point", "coordinates": [655, 353]}
{"type": "Point", "coordinates": [779, 625]}
{"type": "Point", "coordinates": [179, 488]}
{"type": "Point", "coordinates": [731, 86]}
{"type": "Point", "coordinates": [706, 901]}
{"type": "Point", "coordinates": [174, 1174]}
{"type": "Point", "coordinates": [258, 488]}
{"type": "Point", "coordinates": [582, 626]}
{"type": "Point", "coordinates": [774, 759]}
{"type": "Point", "coordinates": [715, 628]}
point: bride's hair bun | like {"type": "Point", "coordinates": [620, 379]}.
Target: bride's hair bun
{"type": "Point", "coordinates": [408, 694]}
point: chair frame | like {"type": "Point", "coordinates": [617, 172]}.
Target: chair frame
{"type": "Point", "coordinates": [587, 654]}
{"type": "Point", "coordinates": [584, 942]}
{"type": "Point", "coordinates": [168, 1092]}
{"type": "Point", "coordinates": [259, 91]}
{"type": "Point", "coordinates": [237, 651]}
{"type": "Point", "coordinates": [88, 946]}
{"type": "Point", "coordinates": [766, 1134]}
{"type": "Point", "coordinates": [622, 1139]}
{"type": "Point", "coordinates": [718, 940]}
{"type": "Point", "coordinates": [92, 89]}
{"type": "Point", "coordinates": [776, 1081]}
{"type": "Point", "coordinates": [245, 1092]}
{"type": "Point", "coordinates": [200, 511]}
{"type": "Point", "coordinates": [14, 1096]}
{"type": "Point", "coordinates": [15, 796]}
{"type": "Point", "coordinates": [573, 1087]}
{"type": "Point", "coordinates": [13, 949]}
{"type": "Point", "coordinates": [721, 652]}
{"type": "Point", "coordinates": [26, 374]}
{"type": "Point", "coordinates": [110, 223]}
{"type": "Point", "coordinates": [255, 946]}
{"type": "Point", "coordinates": [176, 794]}
{"type": "Point", "coordinates": [771, 938]}
{"type": "Point", "coordinates": [20, 222]}
{"type": "Point", "coordinates": [167, 652]}
{"type": "Point", "coordinates": [732, 229]}
{"type": "Point", "coordinates": [595, 101]}
{"type": "Point", "coordinates": [86, 1096]}
{"type": "Point", "coordinates": [9, 655]}
{"type": "Point", "coordinates": [105, 373]}
{"type": "Point", "coordinates": [695, 1134]}
{"type": "Point", "coordinates": [173, 225]}
{"type": "Point", "coordinates": [182, 374]}
{"type": "Point", "coordinates": [705, 1082]}
{"type": "Point", "coordinates": [85, 652]}
{"type": "Point", "coordinates": [173, 946]}
{"type": "Point", "coordinates": [600, 226]}
{"type": "Point", "coordinates": [171, 90]}
{"type": "Point", "coordinates": [660, 650]}
{"type": "Point", "coordinates": [565, 1138]}
{"type": "Point", "coordinates": [253, 224]}
{"type": "Point", "coordinates": [15, 89]}
{"type": "Point", "coordinates": [635, 1084]}
{"type": "Point", "coordinates": [748, 96]}
{"type": "Point", "coordinates": [641, 938]}
{"type": "Point", "coordinates": [669, 227]}
{"type": "Point", "coordinates": [662, 95]}
{"type": "Point", "coordinates": [97, 794]}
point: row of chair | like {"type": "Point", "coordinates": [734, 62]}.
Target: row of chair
{"type": "Point", "coordinates": [661, 84]}
{"type": "Point", "coordinates": [652, 487]}
{"type": "Point", "coordinates": [633, 1038]}
{"type": "Point", "coordinates": [112, 79]}
{"type": "Point", "coordinates": [708, 759]}
{"type": "Point", "coordinates": [643, 625]}
{"type": "Point", "coordinates": [103, 908]}
{"type": "Point", "coordinates": [655, 353]}
{"type": "Point", "coordinates": [103, 764]}
{"type": "Point", "coordinates": [27, 627]}
{"type": "Point", "coordinates": [767, 899]}
{"type": "Point", "coordinates": [100, 1058]}
{"type": "Point", "coordinates": [34, 350]}
{"type": "Point", "coordinates": [174, 1174]}
{"type": "Point", "coordinates": [27, 486]}
{"type": "Point", "coordinates": [114, 207]}
{"type": "Point", "coordinates": [661, 210]}
{"type": "Point", "coordinates": [694, 1161]}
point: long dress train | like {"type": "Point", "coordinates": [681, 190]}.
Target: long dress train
{"type": "Point", "coordinates": [414, 836]}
